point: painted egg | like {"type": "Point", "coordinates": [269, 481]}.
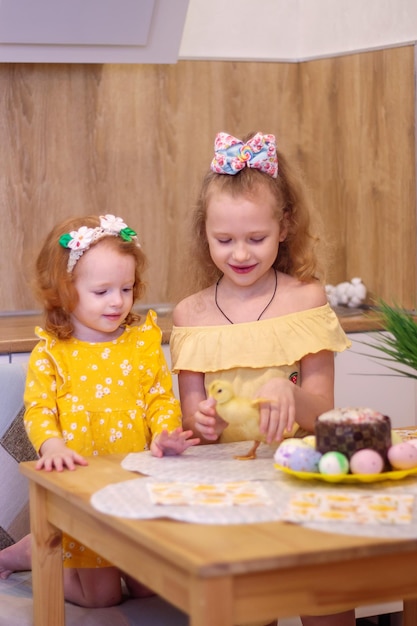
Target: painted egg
{"type": "Point", "coordinates": [333, 463]}
{"type": "Point", "coordinates": [310, 440]}
{"type": "Point", "coordinates": [412, 442]}
{"type": "Point", "coordinates": [403, 456]}
{"type": "Point", "coordinates": [366, 461]}
{"type": "Point", "coordinates": [286, 449]}
{"type": "Point", "coordinates": [396, 438]}
{"type": "Point", "coordinates": [304, 459]}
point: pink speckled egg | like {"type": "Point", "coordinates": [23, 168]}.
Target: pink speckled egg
{"type": "Point", "coordinates": [366, 461]}
{"type": "Point", "coordinates": [403, 456]}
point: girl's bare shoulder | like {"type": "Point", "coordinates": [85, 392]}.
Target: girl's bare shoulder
{"type": "Point", "coordinates": [313, 294]}
{"type": "Point", "coordinates": [303, 295]}
{"type": "Point", "coordinates": [195, 310]}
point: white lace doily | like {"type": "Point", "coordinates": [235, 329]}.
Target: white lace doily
{"type": "Point", "coordinates": [216, 464]}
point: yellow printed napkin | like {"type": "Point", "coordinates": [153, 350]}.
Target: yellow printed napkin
{"type": "Point", "coordinates": [241, 493]}
{"type": "Point", "coordinates": [349, 507]}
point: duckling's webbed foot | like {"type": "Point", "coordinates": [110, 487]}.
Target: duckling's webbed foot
{"type": "Point", "coordinates": [251, 455]}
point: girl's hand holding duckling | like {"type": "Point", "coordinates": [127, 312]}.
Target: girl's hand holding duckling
{"type": "Point", "coordinates": [207, 421]}
{"type": "Point", "coordinates": [277, 415]}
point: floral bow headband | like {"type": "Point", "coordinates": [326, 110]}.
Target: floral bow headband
{"type": "Point", "coordinates": [78, 241]}
{"type": "Point", "coordinates": [231, 155]}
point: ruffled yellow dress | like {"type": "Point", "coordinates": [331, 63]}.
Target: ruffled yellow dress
{"type": "Point", "coordinates": [101, 398]}
{"type": "Point", "coordinates": [249, 354]}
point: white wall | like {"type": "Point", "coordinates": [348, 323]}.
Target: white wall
{"type": "Point", "coordinates": [260, 30]}
{"type": "Point", "coordinates": [75, 31]}
{"type": "Point", "coordinates": [294, 30]}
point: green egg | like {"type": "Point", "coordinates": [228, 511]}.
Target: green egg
{"type": "Point", "coordinates": [333, 463]}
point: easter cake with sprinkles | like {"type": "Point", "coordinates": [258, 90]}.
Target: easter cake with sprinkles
{"type": "Point", "coordinates": [350, 429]}
{"type": "Point", "coordinates": [349, 445]}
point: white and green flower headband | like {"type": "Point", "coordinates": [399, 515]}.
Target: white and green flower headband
{"type": "Point", "coordinates": [78, 241]}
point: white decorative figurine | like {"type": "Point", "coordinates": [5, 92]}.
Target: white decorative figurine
{"type": "Point", "coordinates": [350, 294]}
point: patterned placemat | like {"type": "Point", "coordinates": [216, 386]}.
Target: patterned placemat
{"type": "Point", "coordinates": [132, 499]}
{"type": "Point", "coordinates": [215, 466]}
{"type": "Point", "coordinates": [214, 463]}
{"type": "Point", "coordinates": [354, 508]}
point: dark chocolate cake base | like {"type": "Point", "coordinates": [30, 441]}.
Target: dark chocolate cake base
{"type": "Point", "coordinates": [348, 438]}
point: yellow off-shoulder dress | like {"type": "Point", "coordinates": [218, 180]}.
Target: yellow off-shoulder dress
{"type": "Point", "coordinates": [249, 354]}
{"type": "Point", "coordinates": [101, 398]}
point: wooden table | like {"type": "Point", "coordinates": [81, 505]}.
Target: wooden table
{"type": "Point", "coordinates": [219, 575]}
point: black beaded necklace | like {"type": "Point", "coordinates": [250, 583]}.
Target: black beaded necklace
{"type": "Point", "coordinates": [263, 310]}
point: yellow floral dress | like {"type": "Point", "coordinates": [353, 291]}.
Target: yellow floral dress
{"type": "Point", "coordinates": [249, 354]}
{"type": "Point", "coordinates": [101, 398]}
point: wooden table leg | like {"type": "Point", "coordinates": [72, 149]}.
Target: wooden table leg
{"type": "Point", "coordinates": [212, 602]}
{"type": "Point", "coordinates": [410, 612]}
{"type": "Point", "coordinates": [47, 571]}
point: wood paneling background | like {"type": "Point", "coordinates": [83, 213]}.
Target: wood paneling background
{"type": "Point", "coordinates": [357, 147]}
{"type": "Point", "coordinates": [135, 140]}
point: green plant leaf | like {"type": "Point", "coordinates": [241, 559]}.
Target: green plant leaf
{"type": "Point", "coordinates": [400, 346]}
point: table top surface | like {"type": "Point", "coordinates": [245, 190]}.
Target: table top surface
{"type": "Point", "coordinates": [212, 550]}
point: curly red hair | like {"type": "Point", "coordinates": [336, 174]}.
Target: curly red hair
{"type": "Point", "coordinates": [54, 285]}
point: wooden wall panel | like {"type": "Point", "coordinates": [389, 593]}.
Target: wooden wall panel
{"type": "Point", "coordinates": [357, 147]}
{"type": "Point", "coordinates": [135, 140]}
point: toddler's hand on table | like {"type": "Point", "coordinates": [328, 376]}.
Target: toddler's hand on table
{"type": "Point", "coordinates": [56, 456]}
{"type": "Point", "coordinates": [168, 444]}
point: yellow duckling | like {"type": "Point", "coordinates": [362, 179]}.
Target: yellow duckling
{"type": "Point", "coordinates": [242, 415]}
